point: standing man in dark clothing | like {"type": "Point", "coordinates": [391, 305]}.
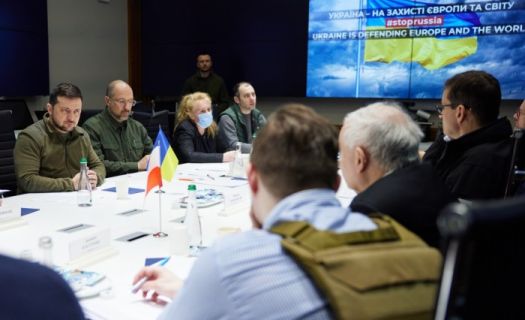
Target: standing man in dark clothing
{"type": "Point", "coordinates": [205, 80]}
{"type": "Point", "coordinates": [473, 153]}
{"type": "Point", "coordinates": [379, 160]}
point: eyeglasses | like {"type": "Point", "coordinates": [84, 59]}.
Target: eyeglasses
{"type": "Point", "coordinates": [440, 107]}
{"type": "Point", "coordinates": [124, 102]}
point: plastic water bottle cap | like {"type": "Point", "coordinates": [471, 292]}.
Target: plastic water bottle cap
{"type": "Point", "coordinates": [83, 160]}
{"type": "Point", "coordinates": [192, 187]}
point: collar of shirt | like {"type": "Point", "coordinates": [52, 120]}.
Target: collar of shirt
{"type": "Point", "coordinates": [321, 208]}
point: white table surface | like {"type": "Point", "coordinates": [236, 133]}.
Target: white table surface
{"type": "Point", "coordinates": [60, 210]}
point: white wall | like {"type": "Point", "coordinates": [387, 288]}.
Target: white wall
{"type": "Point", "coordinates": [88, 46]}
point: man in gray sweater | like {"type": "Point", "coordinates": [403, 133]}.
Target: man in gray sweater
{"type": "Point", "coordinates": [241, 121]}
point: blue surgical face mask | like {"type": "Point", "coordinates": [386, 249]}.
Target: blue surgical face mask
{"type": "Point", "coordinates": [204, 120]}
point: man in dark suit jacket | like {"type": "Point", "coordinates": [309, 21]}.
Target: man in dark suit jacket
{"type": "Point", "coordinates": [473, 154]}
{"type": "Point", "coordinates": [32, 291]}
{"type": "Point", "coordinates": [379, 160]}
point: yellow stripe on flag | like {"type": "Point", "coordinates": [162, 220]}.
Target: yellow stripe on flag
{"type": "Point", "coordinates": [169, 165]}
{"type": "Point", "coordinates": [431, 53]}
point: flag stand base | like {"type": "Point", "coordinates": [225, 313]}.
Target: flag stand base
{"type": "Point", "coordinates": [160, 234]}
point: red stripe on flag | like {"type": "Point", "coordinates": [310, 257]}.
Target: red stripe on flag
{"type": "Point", "coordinates": [154, 179]}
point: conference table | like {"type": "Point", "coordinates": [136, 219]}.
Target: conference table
{"type": "Point", "coordinates": [126, 227]}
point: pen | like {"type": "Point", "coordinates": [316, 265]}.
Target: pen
{"type": "Point", "coordinates": [136, 287]}
{"type": "Point", "coordinates": [128, 212]}
{"type": "Point", "coordinates": [185, 179]}
{"type": "Point", "coordinates": [209, 176]}
{"type": "Point", "coordinates": [72, 227]}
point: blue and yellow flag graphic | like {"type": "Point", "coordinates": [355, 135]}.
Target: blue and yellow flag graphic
{"type": "Point", "coordinates": [430, 52]}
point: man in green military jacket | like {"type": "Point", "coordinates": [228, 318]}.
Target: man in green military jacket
{"type": "Point", "coordinates": [121, 142]}
{"type": "Point", "coordinates": [47, 153]}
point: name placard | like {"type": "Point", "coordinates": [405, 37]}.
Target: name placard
{"type": "Point", "coordinates": [234, 203]}
{"type": "Point", "coordinates": [8, 213]}
{"type": "Point", "coordinates": [10, 217]}
{"type": "Point", "coordinates": [80, 242]}
{"type": "Point", "coordinates": [93, 241]}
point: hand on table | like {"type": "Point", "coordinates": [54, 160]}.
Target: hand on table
{"type": "Point", "coordinates": [160, 280]}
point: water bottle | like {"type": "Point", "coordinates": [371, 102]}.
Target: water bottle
{"type": "Point", "coordinates": [84, 187]}
{"type": "Point", "coordinates": [192, 220]}
{"type": "Point", "coordinates": [45, 244]}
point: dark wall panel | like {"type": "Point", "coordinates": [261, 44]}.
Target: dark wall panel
{"type": "Point", "coordinates": [24, 57]}
{"type": "Point", "coordinates": [263, 42]}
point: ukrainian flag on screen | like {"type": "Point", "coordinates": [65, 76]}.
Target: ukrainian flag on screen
{"type": "Point", "coordinates": [431, 53]}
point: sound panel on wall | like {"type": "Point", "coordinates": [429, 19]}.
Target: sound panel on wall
{"type": "Point", "coordinates": [24, 57]}
{"type": "Point", "coordinates": [263, 42]}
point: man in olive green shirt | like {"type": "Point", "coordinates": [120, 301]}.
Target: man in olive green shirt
{"type": "Point", "coordinates": [121, 142]}
{"type": "Point", "coordinates": [47, 153]}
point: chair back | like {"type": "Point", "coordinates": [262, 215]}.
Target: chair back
{"type": "Point", "coordinates": [152, 121]}
{"type": "Point", "coordinates": [86, 114]}
{"type": "Point", "coordinates": [21, 117]}
{"type": "Point", "coordinates": [167, 103]}
{"type": "Point", "coordinates": [7, 145]}
{"type": "Point", "coordinates": [483, 270]}
{"type": "Point", "coordinates": [143, 107]}
{"type": "Point", "coordinates": [516, 175]}
{"type": "Point", "coordinates": [40, 114]}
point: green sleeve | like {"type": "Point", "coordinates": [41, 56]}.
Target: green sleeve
{"type": "Point", "coordinates": [27, 156]}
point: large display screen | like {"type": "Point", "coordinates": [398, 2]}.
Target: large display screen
{"type": "Point", "coordinates": [407, 49]}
